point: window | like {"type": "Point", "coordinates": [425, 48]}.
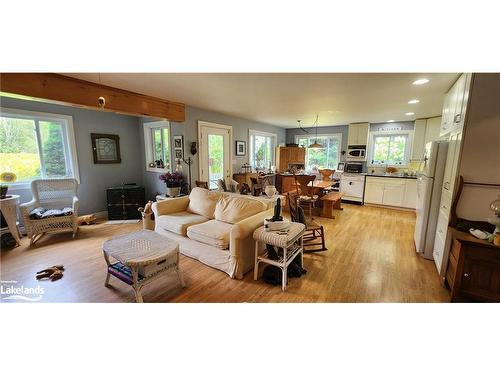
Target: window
{"type": "Point", "coordinates": [157, 146]}
{"type": "Point", "coordinates": [327, 157]}
{"type": "Point", "coordinates": [261, 149]}
{"type": "Point", "coordinates": [36, 145]}
{"type": "Point", "coordinates": [389, 148]}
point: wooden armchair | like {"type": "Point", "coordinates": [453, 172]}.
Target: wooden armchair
{"type": "Point", "coordinates": [306, 197]}
{"type": "Point", "coordinates": [326, 173]}
{"type": "Point", "coordinates": [314, 236]}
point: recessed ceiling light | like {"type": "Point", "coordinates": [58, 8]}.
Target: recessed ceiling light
{"type": "Point", "coordinates": [413, 101]}
{"type": "Point", "coordinates": [421, 81]}
{"type": "Point", "coordinates": [390, 120]}
{"type": "Point", "coordinates": [409, 113]}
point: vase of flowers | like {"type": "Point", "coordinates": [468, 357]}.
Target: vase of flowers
{"type": "Point", "coordinates": [173, 181]}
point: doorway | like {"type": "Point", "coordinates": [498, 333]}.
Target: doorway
{"type": "Point", "coordinates": [215, 142]}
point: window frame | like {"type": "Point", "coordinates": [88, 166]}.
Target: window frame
{"type": "Point", "coordinates": [149, 149]}
{"type": "Point", "coordinates": [371, 147]}
{"type": "Point", "coordinates": [70, 151]}
{"type": "Point", "coordinates": [336, 135]}
{"type": "Point", "coordinates": [252, 133]}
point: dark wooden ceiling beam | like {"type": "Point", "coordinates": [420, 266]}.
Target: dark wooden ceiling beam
{"type": "Point", "coordinates": [61, 89]}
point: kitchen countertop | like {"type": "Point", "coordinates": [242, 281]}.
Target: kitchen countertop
{"type": "Point", "coordinates": [389, 175]}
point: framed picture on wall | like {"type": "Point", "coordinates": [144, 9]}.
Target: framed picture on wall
{"type": "Point", "coordinates": [105, 148]}
{"type": "Point", "coordinates": [241, 148]}
{"type": "Point", "coordinates": [178, 146]}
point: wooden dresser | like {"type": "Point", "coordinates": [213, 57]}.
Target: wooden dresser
{"type": "Point", "coordinates": [473, 271]}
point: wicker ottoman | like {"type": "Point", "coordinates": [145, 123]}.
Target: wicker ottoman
{"type": "Point", "coordinates": [141, 257]}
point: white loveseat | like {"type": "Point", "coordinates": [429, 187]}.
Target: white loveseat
{"type": "Point", "coordinates": [214, 228]}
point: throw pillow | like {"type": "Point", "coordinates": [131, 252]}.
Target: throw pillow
{"type": "Point", "coordinates": [233, 209]}
{"type": "Point", "coordinates": [202, 202]}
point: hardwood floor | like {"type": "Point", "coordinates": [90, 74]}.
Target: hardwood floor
{"type": "Point", "coordinates": [370, 258]}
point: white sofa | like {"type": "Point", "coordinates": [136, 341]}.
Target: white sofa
{"type": "Point", "coordinates": [214, 228]}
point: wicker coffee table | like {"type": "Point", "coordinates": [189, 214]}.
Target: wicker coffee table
{"type": "Point", "coordinates": [141, 257]}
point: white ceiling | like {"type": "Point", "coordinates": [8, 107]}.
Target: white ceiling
{"type": "Point", "coordinates": [282, 99]}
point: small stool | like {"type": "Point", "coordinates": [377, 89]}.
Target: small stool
{"type": "Point", "coordinates": [291, 243]}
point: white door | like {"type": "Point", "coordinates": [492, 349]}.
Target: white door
{"type": "Point", "coordinates": [215, 152]}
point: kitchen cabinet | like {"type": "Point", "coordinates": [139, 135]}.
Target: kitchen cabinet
{"type": "Point", "coordinates": [452, 160]}
{"type": "Point", "coordinates": [410, 195]}
{"type": "Point", "coordinates": [374, 192]}
{"type": "Point", "coordinates": [455, 103]}
{"type": "Point", "coordinates": [358, 134]}
{"type": "Point", "coordinates": [391, 191]}
{"type": "Point", "coordinates": [289, 155]}
{"type": "Point", "coordinates": [432, 129]}
{"type": "Point", "coordinates": [425, 131]}
{"type": "Point", "coordinates": [418, 146]}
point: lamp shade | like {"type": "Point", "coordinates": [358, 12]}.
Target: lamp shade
{"type": "Point", "coordinates": [316, 145]}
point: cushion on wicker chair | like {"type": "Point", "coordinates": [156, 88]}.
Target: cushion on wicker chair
{"type": "Point", "coordinates": [42, 213]}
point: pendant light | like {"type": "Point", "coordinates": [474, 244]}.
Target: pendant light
{"type": "Point", "coordinates": [316, 145]}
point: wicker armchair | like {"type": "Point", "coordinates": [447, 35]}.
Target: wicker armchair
{"type": "Point", "coordinates": [51, 194]}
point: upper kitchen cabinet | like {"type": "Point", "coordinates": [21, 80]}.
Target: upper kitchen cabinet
{"type": "Point", "coordinates": [454, 106]}
{"type": "Point", "coordinates": [417, 151]}
{"type": "Point", "coordinates": [426, 130]}
{"type": "Point", "coordinates": [358, 133]}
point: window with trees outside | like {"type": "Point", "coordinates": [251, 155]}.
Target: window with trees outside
{"type": "Point", "coordinates": [327, 157]}
{"type": "Point", "coordinates": [37, 145]}
{"type": "Point", "coordinates": [157, 148]}
{"type": "Point", "coordinates": [261, 149]}
{"type": "Point", "coordinates": [390, 149]}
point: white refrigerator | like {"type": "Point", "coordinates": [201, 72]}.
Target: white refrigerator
{"type": "Point", "coordinates": [429, 184]}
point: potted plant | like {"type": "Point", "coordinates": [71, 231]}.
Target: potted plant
{"type": "Point", "coordinates": [6, 177]}
{"type": "Point", "coordinates": [173, 181]}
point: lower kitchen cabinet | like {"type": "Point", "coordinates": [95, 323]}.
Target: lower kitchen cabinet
{"type": "Point", "coordinates": [473, 270]}
{"type": "Point", "coordinates": [390, 191]}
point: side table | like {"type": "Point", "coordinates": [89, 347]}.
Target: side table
{"type": "Point", "coordinates": [291, 243]}
{"type": "Point", "coordinates": [8, 208]}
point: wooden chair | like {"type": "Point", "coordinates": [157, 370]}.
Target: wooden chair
{"type": "Point", "coordinates": [326, 173]}
{"type": "Point", "coordinates": [202, 184]}
{"type": "Point", "coordinates": [314, 236]}
{"type": "Point", "coordinates": [306, 198]}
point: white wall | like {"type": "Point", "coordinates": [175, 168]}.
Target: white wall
{"type": "Point", "coordinates": [480, 160]}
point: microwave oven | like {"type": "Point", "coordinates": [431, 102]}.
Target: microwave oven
{"type": "Point", "coordinates": [356, 153]}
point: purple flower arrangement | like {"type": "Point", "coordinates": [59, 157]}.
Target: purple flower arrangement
{"type": "Point", "coordinates": [172, 180]}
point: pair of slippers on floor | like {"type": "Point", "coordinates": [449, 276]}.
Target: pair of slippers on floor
{"type": "Point", "coordinates": [52, 273]}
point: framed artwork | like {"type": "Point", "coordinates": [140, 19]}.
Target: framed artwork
{"type": "Point", "coordinates": [105, 148]}
{"type": "Point", "coordinates": [241, 148]}
{"type": "Point", "coordinates": [178, 147]}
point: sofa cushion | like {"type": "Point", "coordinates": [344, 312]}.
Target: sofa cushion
{"type": "Point", "coordinates": [203, 201]}
{"type": "Point", "coordinates": [214, 233]}
{"type": "Point", "coordinates": [232, 209]}
{"type": "Point", "coordinates": [178, 222]}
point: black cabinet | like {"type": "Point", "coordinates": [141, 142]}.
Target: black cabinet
{"type": "Point", "coordinates": [123, 202]}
